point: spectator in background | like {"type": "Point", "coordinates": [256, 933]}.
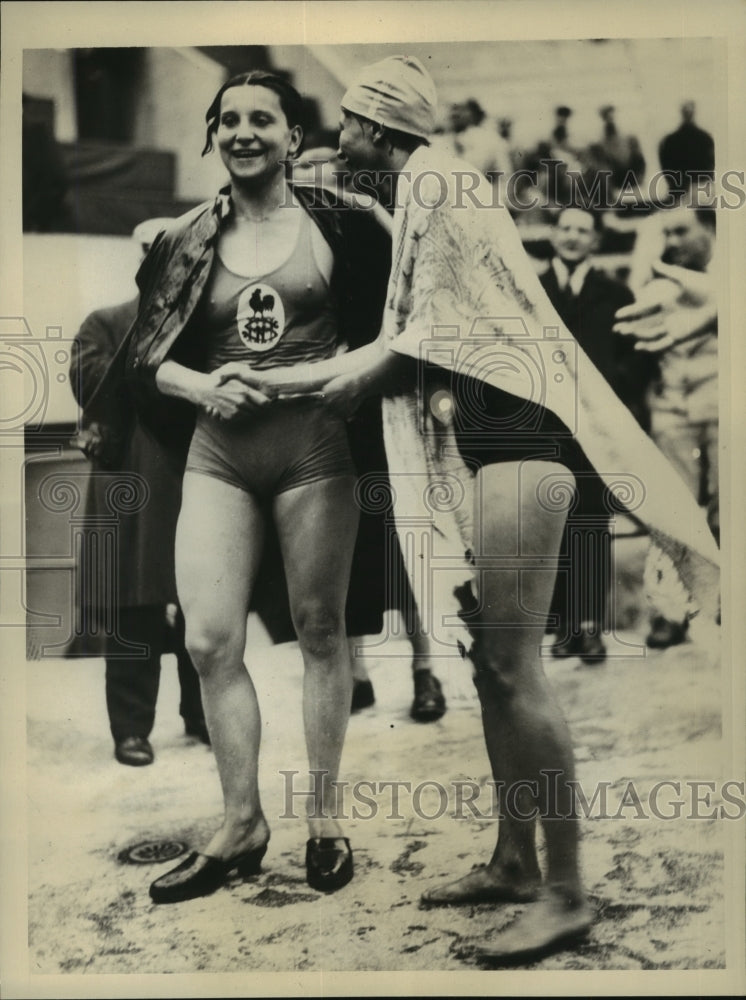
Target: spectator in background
{"type": "Point", "coordinates": [675, 319]}
{"type": "Point", "coordinates": [551, 161]}
{"type": "Point", "coordinates": [505, 131]}
{"type": "Point", "coordinates": [475, 141]}
{"type": "Point", "coordinates": [619, 155]}
{"type": "Point", "coordinates": [561, 146]}
{"type": "Point", "coordinates": [560, 133]}
{"type": "Point", "coordinates": [688, 153]}
{"type": "Point", "coordinates": [587, 300]}
{"type": "Point", "coordinates": [688, 158]}
{"type": "Point", "coordinates": [146, 588]}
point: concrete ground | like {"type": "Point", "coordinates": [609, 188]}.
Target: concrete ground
{"type": "Point", "coordinates": [659, 879]}
{"type": "Point", "coordinates": [657, 884]}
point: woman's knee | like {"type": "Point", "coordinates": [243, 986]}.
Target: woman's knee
{"type": "Point", "coordinates": [320, 627]}
{"type": "Point", "coordinates": [506, 665]}
{"type": "Point", "coordinates": [213, 644]}
{"type": "Point", "coordinates": [495, 675]}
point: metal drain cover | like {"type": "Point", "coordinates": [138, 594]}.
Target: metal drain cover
{"type": "Point", "coordinates": [151, 852]}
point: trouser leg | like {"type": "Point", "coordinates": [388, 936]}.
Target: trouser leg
{"type": "Point", "coordinates": [679, 442]}
{"type": "Point", "coordinates": [584, 573]}
{"type": "Point", "coordinates": [132, 683]}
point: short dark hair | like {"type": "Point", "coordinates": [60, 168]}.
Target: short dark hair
{"type": "Point", "coordinates": [290, 100]}
{"type": "Point", "coordinates": [402, 140]}
{"type": "Point", "coordinates": [476, 110]}
{"type": "Point", "coordinates": [598, 224]}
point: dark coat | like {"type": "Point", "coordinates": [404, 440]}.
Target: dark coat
{"type": "Point", "coordinates": [690, 152]}
{"type": "Point", "coordinates": [137, 462]}
{"type": "Point", "coordinates": [171, 281]}
{"type": "Point", "coordinates": [126, 556]}
{"type": "Point", "coordinates": [589, 316]}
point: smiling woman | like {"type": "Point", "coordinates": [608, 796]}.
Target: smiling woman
{"type": "Point", "coordinates": [253, 134]}
{"type": "Point", "coordinates": [261, 278]}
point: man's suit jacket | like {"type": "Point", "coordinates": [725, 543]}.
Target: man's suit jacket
{"type": "Point", "coordinates": [589, 316]}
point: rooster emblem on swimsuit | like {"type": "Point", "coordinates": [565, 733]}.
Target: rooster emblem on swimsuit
{"type": "Point", "coordinates": [260, 317]}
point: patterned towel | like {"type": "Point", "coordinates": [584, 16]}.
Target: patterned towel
{"type": "Point", "coordinates": [464, 295]}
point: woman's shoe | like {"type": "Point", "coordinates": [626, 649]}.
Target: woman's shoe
{"type": "Point", "coordinates": [200, 875]}
{"type": "Point", "coordinates": [328, 863]}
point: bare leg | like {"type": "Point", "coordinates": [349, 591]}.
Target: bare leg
{"type": "Point", "coordinates": [218, 547]}
{"type": "Point", "coordinates": [525, 733]}
{"type": "Point", "coordinates": [317, 564]}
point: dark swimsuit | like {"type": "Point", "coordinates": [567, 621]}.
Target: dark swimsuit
{"type": "Point", "coordinates": [283, 318]}
{"type": "Point", "coordinates": [492, 426]}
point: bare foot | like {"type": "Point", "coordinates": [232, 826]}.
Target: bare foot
{"type": "Point", "coordinates": [556, 921]}
{"type": "Point", "coordinates": [231, 841]}
{"type": "Point", "coordinates": [484, 885]}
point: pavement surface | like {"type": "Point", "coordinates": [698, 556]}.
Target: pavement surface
{"type": "Point", "coordinates": [657, 884]}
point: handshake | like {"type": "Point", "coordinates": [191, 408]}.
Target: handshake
{"type": "Point", "coordinates": [236, 390]}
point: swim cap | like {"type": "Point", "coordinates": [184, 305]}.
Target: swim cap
{"type": "Point", "coordinates": [397, 92]}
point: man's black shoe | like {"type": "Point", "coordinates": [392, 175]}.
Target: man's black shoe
{"type": "Point", "coordinates": [429, 703]}
{"type": "Point", "coordinates": [135, 751]}
{"type": "Point", "coordinates": [363, 695]}
{"type": "Point", "coordinates": [587, 645]}
{"type": "Point", "coordinates": [664, 633]}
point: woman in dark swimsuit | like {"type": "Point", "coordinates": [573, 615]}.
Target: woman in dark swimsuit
{"type": "Point", "coordinates": [268, 301]}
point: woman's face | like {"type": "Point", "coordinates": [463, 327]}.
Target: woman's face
{"type": "Point", "coordinates": [253, 134]}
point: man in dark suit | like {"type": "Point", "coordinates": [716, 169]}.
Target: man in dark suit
{"type": "Point", "coordinates": [687, 153]}
{"type": "Point", "coordinates": [141, 611]}
{"type": "Point", "coordinates": [587, 300]}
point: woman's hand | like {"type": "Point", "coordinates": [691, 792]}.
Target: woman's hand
{"type": "Point", "coordinates": [342, 395]}
{"type": "Point", "coordinates": [231, 400]}
{"type": "Point", "coordinates": [266, 382]}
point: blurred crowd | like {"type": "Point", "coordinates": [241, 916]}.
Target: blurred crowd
{"type": "Point", "coordinates": [611, 168]}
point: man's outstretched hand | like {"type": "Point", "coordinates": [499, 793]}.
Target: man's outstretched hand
{"type": "Point", "coordinates": [674, 306]}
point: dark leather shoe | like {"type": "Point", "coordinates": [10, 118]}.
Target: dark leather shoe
{"type": "Point", "coordinates": [592, 649]}
{"type": "Point", "coordinates": [133, 750]}
{"type": "Point", "coordinates": [664, 633]}
{"type": "Point", "coordinates": [587, 644]}
{"type": "Point", "coordinates": [429, 703]}
{"type": "Point", "coordinates": [566, 646]}
{"type": "Point", "coordinates": [328, 863]}
{"type": "Point", "coordinates": [198, 728]}
{"type": "Point", "coordinates": [201, 875]}
{"type": "Point", "coordinates": [363, 695]}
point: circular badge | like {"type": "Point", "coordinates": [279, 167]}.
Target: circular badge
{"type": "Point", "coordinates": [260, 317]}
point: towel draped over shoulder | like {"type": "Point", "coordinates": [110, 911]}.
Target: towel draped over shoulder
{"type": "Point", "coordinates": [463, 295]}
